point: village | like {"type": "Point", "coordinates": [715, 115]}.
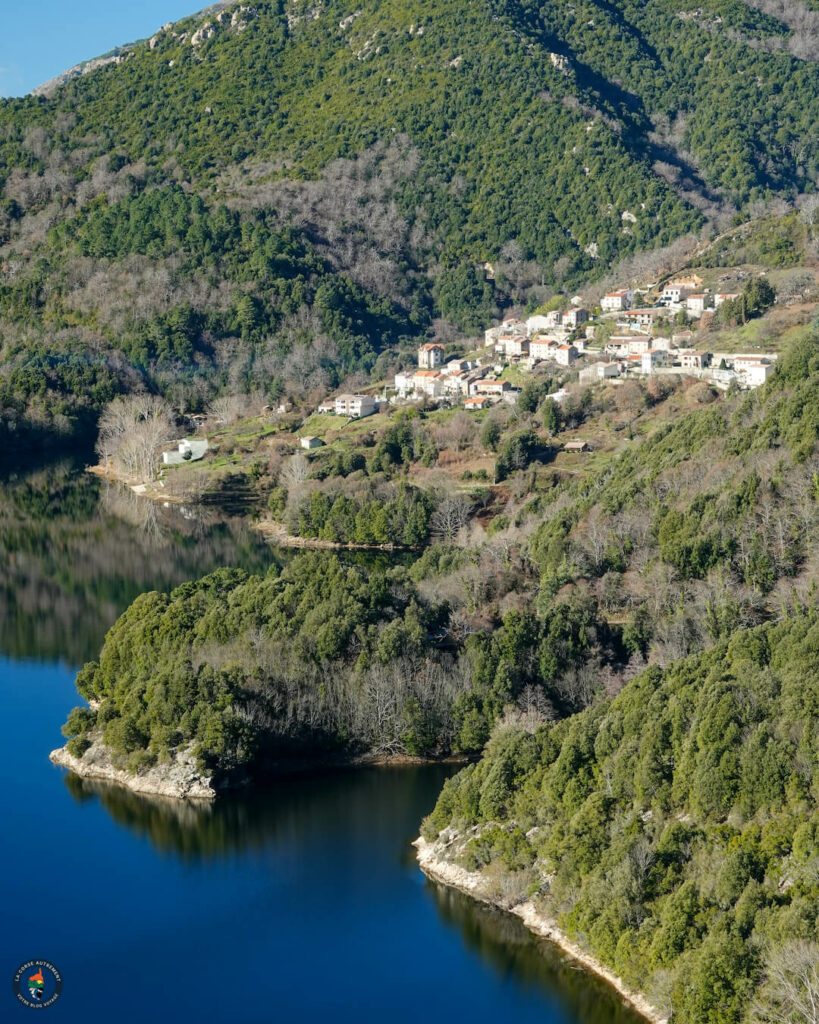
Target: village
{"type": "Point", "coordinates": [619, 340]}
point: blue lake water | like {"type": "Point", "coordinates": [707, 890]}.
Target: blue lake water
{"type": "Point", "coordinates": [299, 903]}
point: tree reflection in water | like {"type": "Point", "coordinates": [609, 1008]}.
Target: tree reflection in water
{"type": "Point", "coordinates": [75, 552]}
{"type": "Point", "coordinates": [512, 951]}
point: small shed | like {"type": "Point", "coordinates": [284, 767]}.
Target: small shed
{"type": "Point", "coordinates": [310, 442]}
{"type": "Point", "coordinates": [576, 446]}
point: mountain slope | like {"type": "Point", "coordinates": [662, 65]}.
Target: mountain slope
{"type": "Point", "coordinates": [672, 831]}
{"type": "Point", "coordinates": [278, 193]}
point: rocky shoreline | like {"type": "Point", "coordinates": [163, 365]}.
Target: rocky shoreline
{"type": "Point", "coordinates": [179, 778]}
{"type": "Point", "coordinates": [433, 863]}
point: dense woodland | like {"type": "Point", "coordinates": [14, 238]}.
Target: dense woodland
{"type": "Point", "coordinates": [701, 525]}
{"type": "Point", "coordinates": [671, 830]}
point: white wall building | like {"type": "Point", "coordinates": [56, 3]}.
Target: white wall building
{"type": "Point", "coordinates": [674, 294]}
{"type": "Point", "coordinates": [355, 406]}
{"type": "Point", "coordinates": [697, 303]}
{"type": "Point", "coordinates": [543, 348]}
{"type": "Point", "coordinates": [565, 355]}
{"type": "Point", "coordinates": [690, 359]}
{"type": "Point", "coordinates": [616, 301]}
{"type": "Point", "coordinates": [430, 356]}
{"type": "Point", "coordinates": [428, 382]}
{"type": "Point", "coordinates": [650, 360]}
{"type": "Point", "coordinates": [755, 376]}
{"type": "Point", "coordinates": [599, 371]}
{"type": "Point", "coordinates": [575, 317]}
{"type": "Point", "coordinates": [540, 323]}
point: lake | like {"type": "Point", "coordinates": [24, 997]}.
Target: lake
{"type": "Point", "coordinates": [301, 902]}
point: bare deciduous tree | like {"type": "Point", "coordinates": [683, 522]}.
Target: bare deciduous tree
{"type": "Point", "coordinates": [451, 515]}
{"type": "Point", "coordinates": [228, 408]}
{"type": "Point", "coordinates": [131, 429]}
{"type": "Point", "coordinates": [295, 471]}
{"type": "Point", "coordinates": [790, 994]}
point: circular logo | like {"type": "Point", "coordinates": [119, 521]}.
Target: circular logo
{"type": "Point", "coordinates": [37, 984]}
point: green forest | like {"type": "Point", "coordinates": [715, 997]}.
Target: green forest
{"type": "Point", "coordinates": [273, 201]}
{"type": "Point", "coordinates": [672, 830]}
{"type": "Point", "coordinates": [627, 652]}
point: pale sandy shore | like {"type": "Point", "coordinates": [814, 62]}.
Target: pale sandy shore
{"type": "Point", "coordinates": [435, 866]}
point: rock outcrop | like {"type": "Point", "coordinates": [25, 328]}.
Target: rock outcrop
{"type": "Point", "coordinates": [180, 778]}
{"type": "Point", "coordinates": [84, 68]}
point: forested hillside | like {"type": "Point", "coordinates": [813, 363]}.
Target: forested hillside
{"type": "Point", "coordinates": [278, 195]}
{"type": "Point", "coordinates": [703, 523]}
{"type": "Point", "coordinates": [672, 831]}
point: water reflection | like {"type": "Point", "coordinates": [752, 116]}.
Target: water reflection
{"type": "Point", "coordinates": [513, 952]}
{"type": "Point", "coordinates": [354, 828]}
{"type": "Point", "coordinates": [291, 811]}
{"type": "Point", "coordinates": [75, 552]}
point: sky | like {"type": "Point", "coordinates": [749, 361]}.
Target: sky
{"type": "Point", "coordinates": [41, 38]}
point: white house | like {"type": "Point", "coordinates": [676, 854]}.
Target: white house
{"type": "Point", "coordinates": [565, 355]}
{"type": "Point", "coordinates": [430, 356]}
{"type": "Point", "coordinates": [643, 318]}
{"type": "Point", "coordinates": [362, 405]}
{"type": "Point", "coordinates": [744, 362]}
{"type": "Point", "coordinates": [186, 451]}
{"type": "Point", "coordinates": [518, 346]}
{"type": "Point", "coordinates": [721, 297]}
{"type": "Point", "coordinates": [651, 359]}
{"type": "Point", "coordinates": [403, 383]}
{"type": "Point", "coordinates": [457, 383]}
{"type": "Point", "coordinates": [697, 303]}
{"type": "Point", "coordinates": [542, 348]}
{"type": "Point", "coordinates": [673, 294]}
{"type": "Point", "coordinates": [541, 322]}
{"type": "Point", "coordinates": [753, 376]}
{"type": "Point", "coordinates": [428, 382]}
{"type": "Point", "coordinates": [616, 301]}
{"type": "Point", "coordinates": [690, 359]}
{"type": "Point", "coordinates": [598, 371]}
{"type": "Point", "coordinates": [575, 317]}
{"type": "Point", "coordinates": [638, 345]}
{"type": "Point", "coordinates": [309, 442]}
{"type": "Point", "coordinates": [355, 406]}
{"type": "Point", "coordinates": [489, 387]}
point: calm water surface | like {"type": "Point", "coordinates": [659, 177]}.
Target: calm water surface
{"type": "Point", "coordinates": [302, 903]}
